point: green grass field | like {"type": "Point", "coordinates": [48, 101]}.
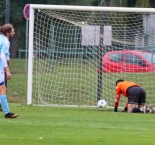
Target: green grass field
{"type": "Point", "coordinates": [38, 125]}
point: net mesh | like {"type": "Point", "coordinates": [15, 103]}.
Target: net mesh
{"type": "Point", "coordinates": [68, 55]}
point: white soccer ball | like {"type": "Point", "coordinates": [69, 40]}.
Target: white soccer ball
{"type": "Point", "coordinates": [102, 103]}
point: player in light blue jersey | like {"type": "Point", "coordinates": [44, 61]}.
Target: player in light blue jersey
{"type": "Point", "coordinates": [6, 32]}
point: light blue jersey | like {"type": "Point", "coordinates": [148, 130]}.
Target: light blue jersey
{"type": "Point", "coordinates": [4, 49]}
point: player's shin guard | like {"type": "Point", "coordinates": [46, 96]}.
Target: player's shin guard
{"type": "Point", "coordinates": [4, 104]}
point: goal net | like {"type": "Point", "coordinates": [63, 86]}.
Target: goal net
{"type": "Point", "coordinates": [76, 54]}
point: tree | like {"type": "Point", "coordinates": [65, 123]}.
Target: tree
{"type": "Point", "coordinates": [17, 19]}
{"type": "Point", "coordinates": [131, 3]}
{"type": "Point", "coordinates": [2, 9]}
{"type": "Point", "coordinates": [152, 3]}
{"type": "Point", "coordinates": [142, 3]}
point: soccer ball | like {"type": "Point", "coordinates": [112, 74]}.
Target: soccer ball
{"type": "Point", "coordinates": [102, 103]}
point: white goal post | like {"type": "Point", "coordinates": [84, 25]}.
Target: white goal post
{"type": "Point", "coordinates": [66, 49]}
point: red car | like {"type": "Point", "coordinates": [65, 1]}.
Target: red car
{"type": "Point", "coordinates": [128, 61]}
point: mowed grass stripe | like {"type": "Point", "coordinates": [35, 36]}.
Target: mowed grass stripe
{"type": "Point", "coordinates": [76, 126]}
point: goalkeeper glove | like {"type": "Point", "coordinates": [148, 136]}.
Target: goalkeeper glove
{"type": "Point", "coordinates": [115, 109]}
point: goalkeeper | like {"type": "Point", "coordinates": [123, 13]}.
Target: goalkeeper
{"type": "Point", "coordinates": [135, 94]}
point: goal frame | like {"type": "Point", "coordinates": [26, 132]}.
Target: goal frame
{"type": "Point", "coordinates": [64, 7]}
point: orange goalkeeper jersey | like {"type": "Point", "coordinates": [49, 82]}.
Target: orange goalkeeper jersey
{"type": "Point", "coordinates": [121, 88]}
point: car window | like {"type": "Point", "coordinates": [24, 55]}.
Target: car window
{"type": "Point", "coordinates": [116, 57]}
{"type": "Point", "coordinates": [149, 57]}
{"type": "Point", "coordinates": [133, 59]}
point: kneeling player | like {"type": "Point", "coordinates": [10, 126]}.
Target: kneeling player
{"type": "Point", "coordinates": [136, 95]}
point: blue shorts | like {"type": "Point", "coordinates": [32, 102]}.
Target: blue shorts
{"type": "Point", "coordinates": [136, 95]}
{"type": "Point", "coordinates": [2, 83]}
